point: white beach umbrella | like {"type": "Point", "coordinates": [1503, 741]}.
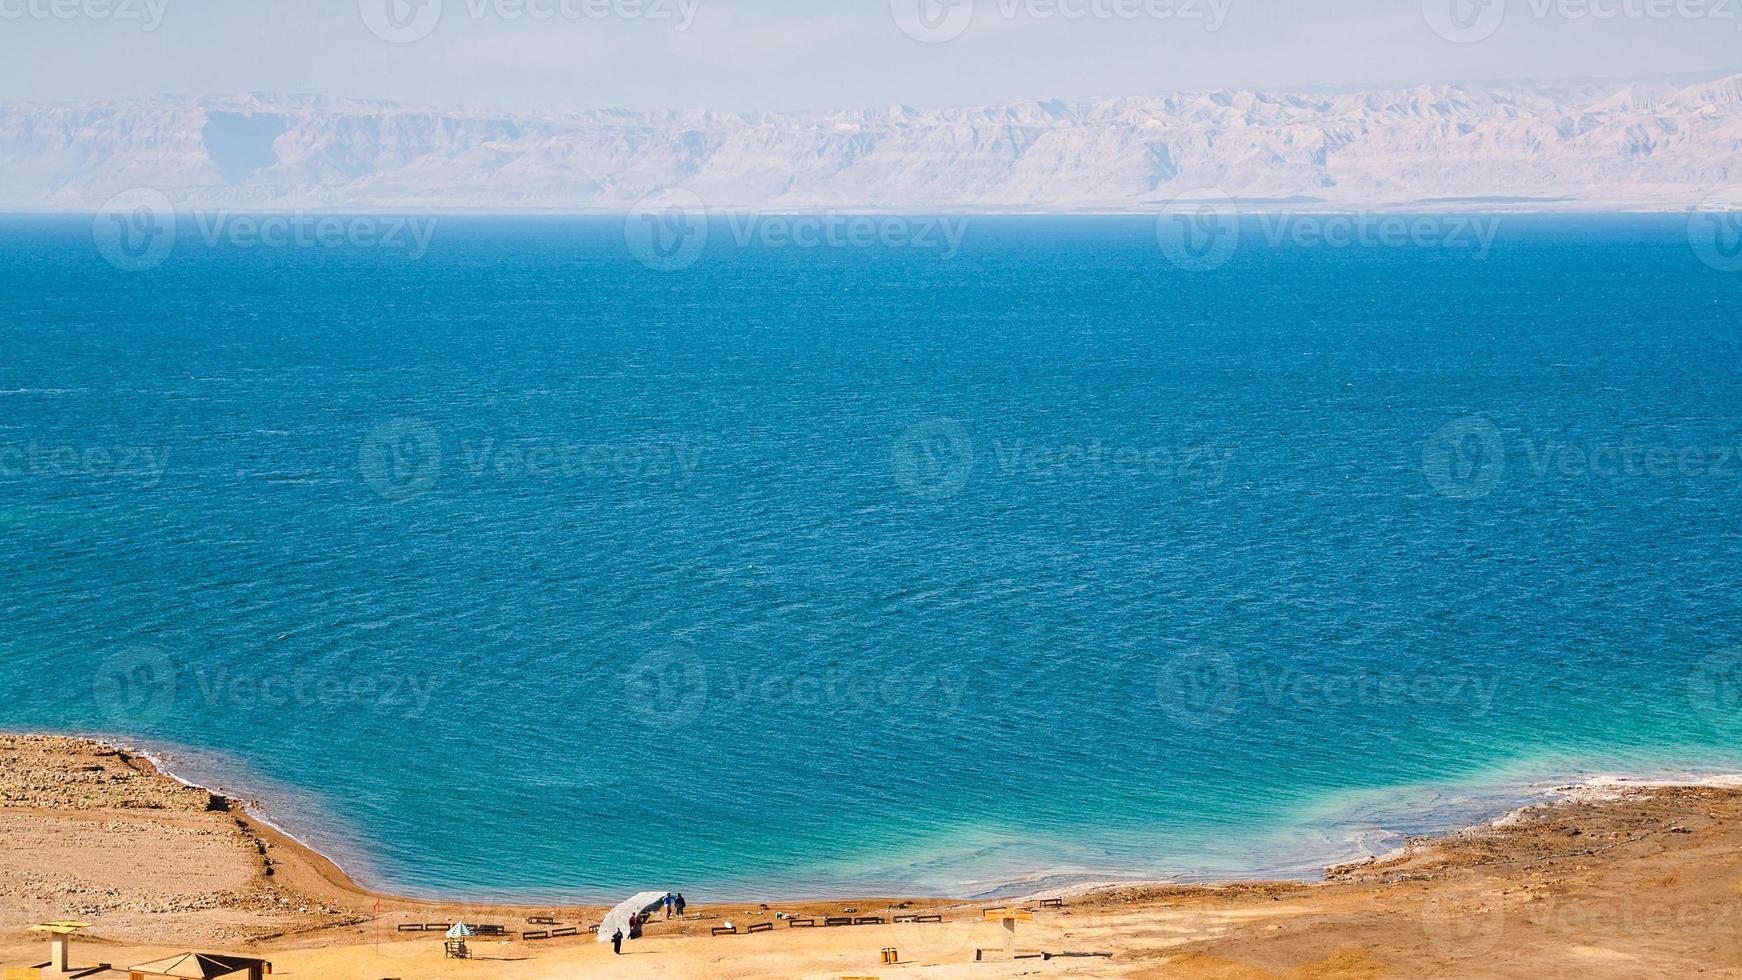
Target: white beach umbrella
{"type": "Point", "coordinates": [459, 930]}
{"type": "Point", "coordinates": [618, 918]}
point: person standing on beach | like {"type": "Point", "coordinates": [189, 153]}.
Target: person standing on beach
{"type": "Point", "coordinates": [617, 942]}
{"type": "Point", "coordinates": [678, 904]}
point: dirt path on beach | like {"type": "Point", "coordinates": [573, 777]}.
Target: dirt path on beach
{"type": "Point", "coordinates": [1612, 882]}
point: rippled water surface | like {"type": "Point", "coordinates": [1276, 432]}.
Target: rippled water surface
{"type": "Point", "coordinates": [522, 568]}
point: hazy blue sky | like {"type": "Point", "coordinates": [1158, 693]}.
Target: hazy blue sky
{"type": "Point", "coordinates": [785, 54]}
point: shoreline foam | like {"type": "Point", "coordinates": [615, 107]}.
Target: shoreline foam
{"type": "Point", "coordinates": [1617, 874]}
{"type": "Point", "coordinates": [1492, 802]}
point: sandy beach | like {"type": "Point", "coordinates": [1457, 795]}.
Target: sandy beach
{"type": "Point", "coordinates": [1616, 879]}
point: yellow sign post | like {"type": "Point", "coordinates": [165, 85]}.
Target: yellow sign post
{"type": "Point", "coordinates": [60, 940]}
{"type": "Point", "coordinates": [1010, 917]}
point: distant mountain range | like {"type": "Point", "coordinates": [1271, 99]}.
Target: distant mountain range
{"type": "Point", "coordinates": [1647, 145]}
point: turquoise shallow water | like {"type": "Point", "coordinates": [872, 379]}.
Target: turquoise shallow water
{"type": "Point", "coordinates": [521, 568]}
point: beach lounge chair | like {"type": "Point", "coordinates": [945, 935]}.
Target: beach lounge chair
{"type": "Point", "coordinates": [838, 920]}
{"type": "Point", "coordinates": [928, 918]}
{"type": "Point", "coordinates": [540, 920]}
{"type": "Point", "coordinates": [761, 927]}
{"type": "Point", "coordinates": [564, 931]}
{"type": "Point", "coordinates": [536, 935]}
{"type": "Point", "coordinates": [725, 930]}
{"type": "Point", "coordinates": [801, 923]}
{"type": "Point", "coordinates": [868, 920]}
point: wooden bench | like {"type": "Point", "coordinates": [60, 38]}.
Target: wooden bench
{"type": "Point", "coordinates": [725, 930]}
{"type": "Point", "coordinates": [761, 927]}
{"type": "Point", "coordinates": [540, 920]}
{"type": "Point", "coordinates": [536, 935]}
{"type": "Point", "coordinates": [868, 920]}
{"type": "Point", "coordinates": [928, 918]}
{"type": "Point", "coordinates": [1052, 903]}
{"type": "Point", "coordinates": [489, 931]}
{"type": "Point", "coordinates": [410, 927]}
{"type": "Point", "coordinates": [801, 923]}
{"type": "Point", "coordinates": [564, 931]}
{"type": "Point", "coordinates": [838, 920]}
{"type": "Point", "coordinates": [437, 926]}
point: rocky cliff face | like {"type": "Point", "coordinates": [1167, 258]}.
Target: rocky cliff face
{"type": "Point", "coordinates": [1651, 144]}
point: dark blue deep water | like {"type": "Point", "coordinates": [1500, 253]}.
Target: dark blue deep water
{"type": "Point", "coordinates": [520, 567]}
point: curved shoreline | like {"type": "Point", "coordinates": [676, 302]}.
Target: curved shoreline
{"type": "Point", "coordinates": [1521, 796]}
{"type": "Point", "coordinates": [1625, 876]}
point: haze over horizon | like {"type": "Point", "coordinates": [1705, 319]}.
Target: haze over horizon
{"type": "Point", "coordinates": [788, 56]}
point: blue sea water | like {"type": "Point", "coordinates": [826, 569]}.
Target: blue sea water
{"type": "Point", "coordinates": [520, 568]}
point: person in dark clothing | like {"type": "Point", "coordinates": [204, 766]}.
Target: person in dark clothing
{"type": "Point", "coordinates": [617, 942]}
{"type": "Point", "coordinates": [635, 926]}
{"type": "Point", "coordinates": [678, 903]}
